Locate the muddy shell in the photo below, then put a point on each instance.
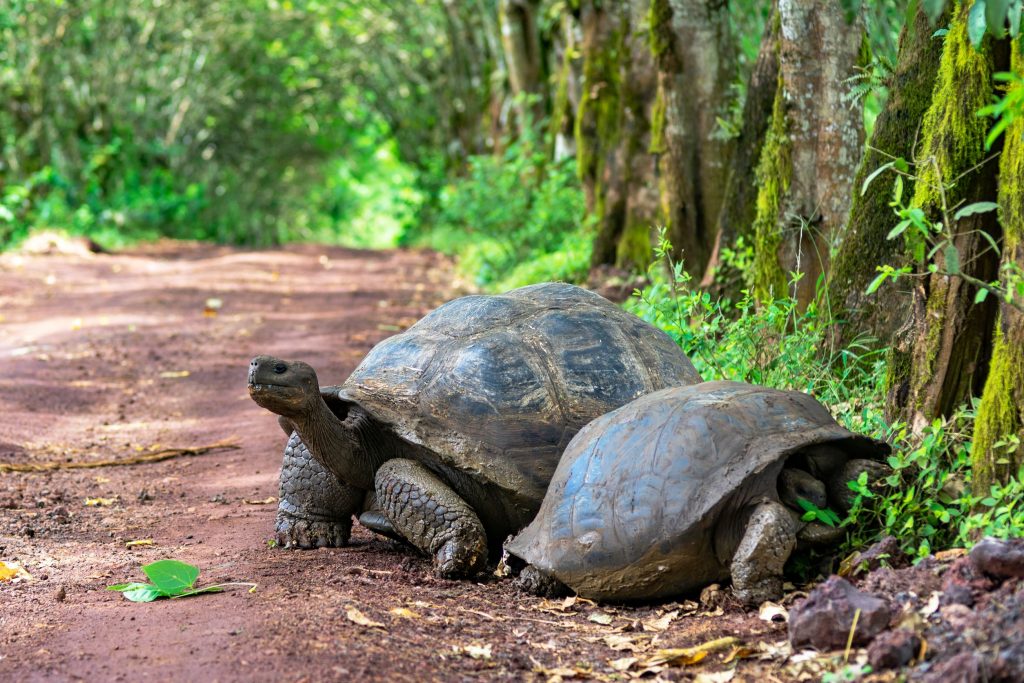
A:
(497, 386)
(648, 501)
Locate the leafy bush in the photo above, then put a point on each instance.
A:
(513, 219)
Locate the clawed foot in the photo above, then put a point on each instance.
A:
(535, 582)
(307, 533)
(460, 558)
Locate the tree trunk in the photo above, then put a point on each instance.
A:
(810, 156)
(864, 246)
(520, 39)
(952, 335)
(693, 45)
(565, 99)
(739, 206)
(613, 132)
(1001, 413)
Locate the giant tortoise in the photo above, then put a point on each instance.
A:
(458, 423)
(688, 486)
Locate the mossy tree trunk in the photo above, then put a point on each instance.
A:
(864, 245)
(522, 47)
(739, 204)
(613, 130)
(695, 53)
(564, 65)
(812, 149)
(951, 337)
(1001, 413)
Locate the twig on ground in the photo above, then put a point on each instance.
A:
(157, 456)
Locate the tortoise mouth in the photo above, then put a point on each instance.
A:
(265, 390)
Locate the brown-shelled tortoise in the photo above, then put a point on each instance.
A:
(689, 486)
(456, 425)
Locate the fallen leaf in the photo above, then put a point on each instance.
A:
(600, 618)
(357, 617)
(475, 651)
(662, 622)
(686, 656)
(619, 642)
(773, 612)
(12, 570)
(100, 502)
(174, 374)
(715, 677)
(211, 307)
(389, 328)
(622, 664)
(933, 604)
(404, 613)
(265, 501)
(738, 652)
(141, 541)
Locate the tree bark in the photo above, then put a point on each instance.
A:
(739, 206)
(613, 132)
(520, 39)
(952, 336)
(864, 246)
(810, 157)
(695, 53)
(1001, 413)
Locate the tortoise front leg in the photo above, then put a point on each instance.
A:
(315, 509)
(768, 541)
(433, 517)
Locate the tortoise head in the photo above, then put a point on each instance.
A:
(282, 387)
(796, 484)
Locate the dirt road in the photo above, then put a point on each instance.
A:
(115, 356)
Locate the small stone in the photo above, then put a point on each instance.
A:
(893, 649)
(885, 553)
(823, 620)
(28, 531)
(1002, 559)
(961, 668)
(958, 594)
(60, 594)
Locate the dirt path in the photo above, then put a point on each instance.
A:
(110, 356)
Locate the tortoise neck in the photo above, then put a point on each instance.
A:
(351, 449)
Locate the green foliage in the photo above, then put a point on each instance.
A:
(170, 579)
(813, 513)
(514, 219)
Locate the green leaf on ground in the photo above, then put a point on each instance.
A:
(171, 579)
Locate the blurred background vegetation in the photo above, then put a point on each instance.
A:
(831, 191)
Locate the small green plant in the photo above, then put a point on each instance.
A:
(170, 579)
(813, 513)
(848, 672)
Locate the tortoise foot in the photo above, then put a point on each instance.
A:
(293, 531)
(533, 581)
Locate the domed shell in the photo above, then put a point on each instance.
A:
(634, 506)
(498, 385)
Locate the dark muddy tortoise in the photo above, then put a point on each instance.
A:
(688, 486)
(457, 424)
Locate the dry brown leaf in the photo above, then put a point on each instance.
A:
(404, 613)
(357, 617)
(715, 676)
(623, 664)
(100, 502)
(738, 652)
(602, 618)
(474, 651)
(141, 541)
(773, 612)
(620, 642)
(662, 622)
(174, 374)
(265, 501)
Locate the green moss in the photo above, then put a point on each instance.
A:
(1001, 412)
(560, 110)
(954, 136)
(659, 18)
(634, 247)
(773, 173)
(657, 145)
(599, 118)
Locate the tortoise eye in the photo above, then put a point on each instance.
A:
(280, 368)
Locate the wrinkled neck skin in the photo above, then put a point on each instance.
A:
(351, 449)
